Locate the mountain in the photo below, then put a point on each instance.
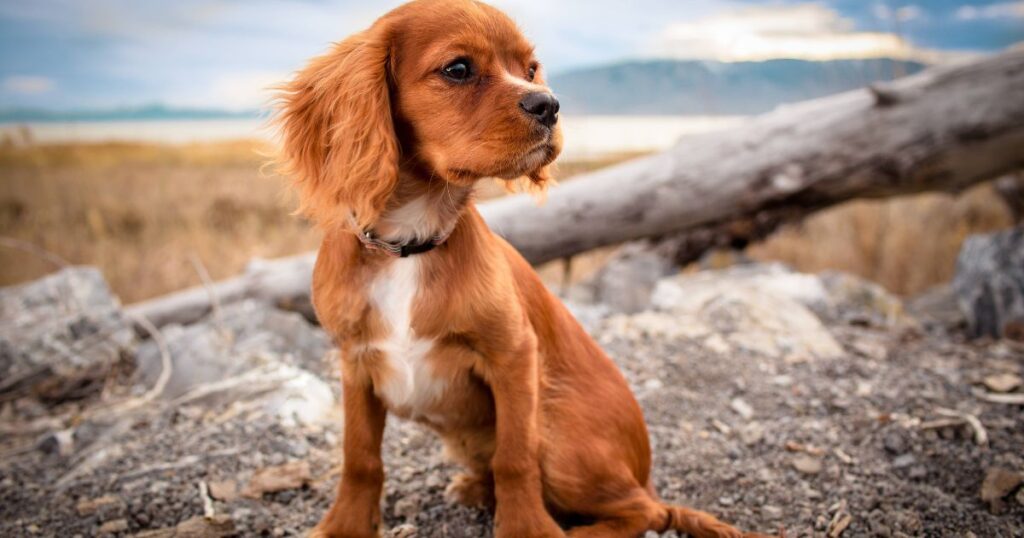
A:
(685, 87)
(143, 113)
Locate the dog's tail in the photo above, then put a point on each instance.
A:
(700, 524)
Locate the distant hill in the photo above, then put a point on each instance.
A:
(660, 87)
(143, 113)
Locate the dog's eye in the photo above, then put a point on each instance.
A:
(459, 70)
(531, 73)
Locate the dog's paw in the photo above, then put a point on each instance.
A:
(470, 490)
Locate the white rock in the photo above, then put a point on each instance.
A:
(755, 314)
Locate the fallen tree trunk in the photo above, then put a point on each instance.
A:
(284, 283)
(943, 129)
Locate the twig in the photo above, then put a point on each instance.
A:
(980, 435)
(166, 369)
(1010, 399)
(942, 423)
(839, 523)
(204, 277)
(204, 494)
(35, 250)
(843, 456)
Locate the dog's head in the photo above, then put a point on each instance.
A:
(445, 89)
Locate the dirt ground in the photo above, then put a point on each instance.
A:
(846, 445)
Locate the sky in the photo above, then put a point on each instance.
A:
(96, 54)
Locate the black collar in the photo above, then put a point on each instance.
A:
(401, 250)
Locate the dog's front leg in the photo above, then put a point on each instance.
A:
(356, 510)
(520, 508)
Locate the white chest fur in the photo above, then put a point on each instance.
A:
(409, 383)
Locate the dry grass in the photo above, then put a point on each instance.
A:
(907, 244)
(141, 212)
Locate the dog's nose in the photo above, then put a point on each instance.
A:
(542, 106)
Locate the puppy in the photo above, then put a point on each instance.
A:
(439, 320)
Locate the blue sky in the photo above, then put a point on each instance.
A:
(68, 54)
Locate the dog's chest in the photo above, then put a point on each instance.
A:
(407, 381)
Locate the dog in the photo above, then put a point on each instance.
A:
(438, 319)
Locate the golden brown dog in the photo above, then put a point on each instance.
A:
(385, 136)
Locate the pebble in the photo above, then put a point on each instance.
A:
(223, 490)
(742, 408)
(105, 508)
(407, 507)
(894, 443)
(999, 483)
(752, 433)
(771, 512)
(905, 460)
(114, 526)
(807, 464)
(653, 384)
(1004, 382)
(405, 530)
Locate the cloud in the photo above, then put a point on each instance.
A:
(994, 11)
(27, 84)
(802, 31)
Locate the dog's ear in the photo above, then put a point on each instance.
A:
(338, 139)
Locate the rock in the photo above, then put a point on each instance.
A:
(938, 307)
(808, 465)
(870, 348)
(223, 490)
(252, 353)
(747, 316)
(894, 442)
(742, 408)
(101, 506)
(60, 442)
(292, 475)
(217, 526)
(906, 460)
(853, 298)
(771, 512)
(624, 284)
(60, 335)
(405, 530)
(989, 281)
(1004, 382)
(751, 434)
(408, 507)
(114, 526)
(999, 483)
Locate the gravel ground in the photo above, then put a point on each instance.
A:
(814, 445)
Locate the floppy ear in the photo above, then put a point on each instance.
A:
(338, 138)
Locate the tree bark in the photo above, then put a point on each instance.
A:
(943, 129)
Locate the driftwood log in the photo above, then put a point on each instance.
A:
(943, 129)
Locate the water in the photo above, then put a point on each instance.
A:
(586, 137)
